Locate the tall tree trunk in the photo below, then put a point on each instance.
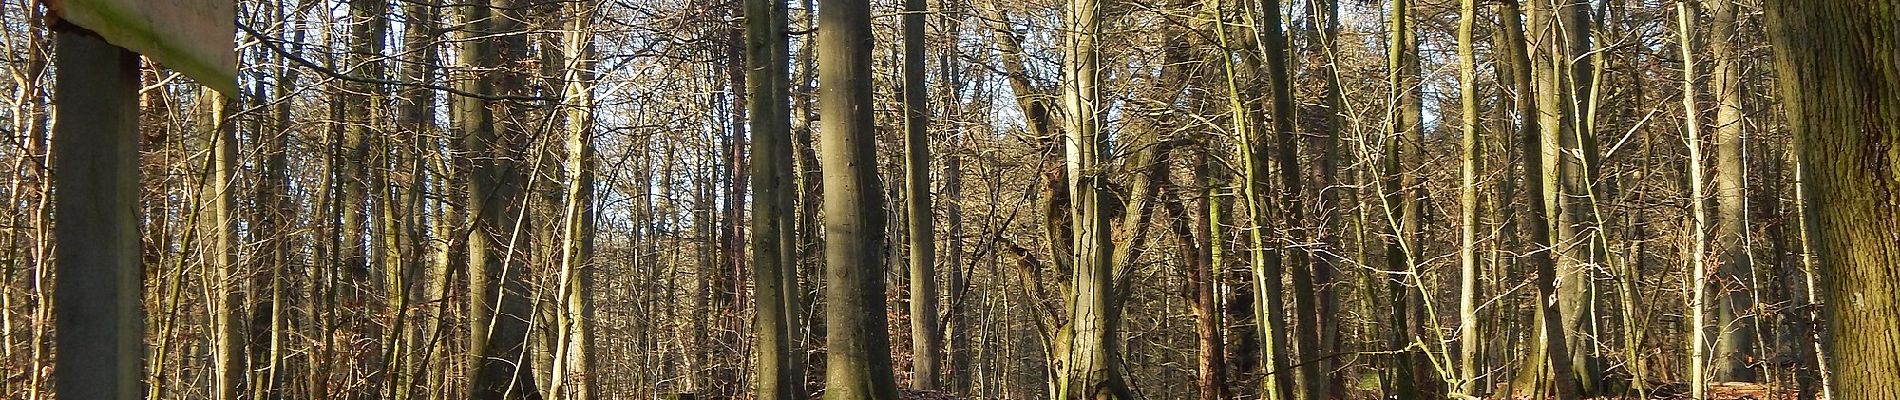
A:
(498, 307)
(1194, 236)
(368, 24)
(1572, 154)
(926, 342)
(732, 265)
(1400, 203)
(218, 217)
(858, 364)
(780, 375)
(1265, 275)
(274, 228)
(359, 103)
(1839, 68)
(1698, 203)
(958, 327)
(1537, 222)
(575, 355)
(1332, 203)
(1473, 156)
(418, 116)
(1308, 378)
(1735, 344)
(1087, 348)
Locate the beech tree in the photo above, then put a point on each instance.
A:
(1203, 199)
(857, 343)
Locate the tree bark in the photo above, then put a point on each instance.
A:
(1839, 68)
(1735, 343)
(1471, 160)
(926, 339)
(498, 307)
(1087, 349)
(575, 355)
(779, 373)
(858, 364)
(1699, 241)
(1401, 206)
(1309, 381)
(1536, 221)
(1332, 203)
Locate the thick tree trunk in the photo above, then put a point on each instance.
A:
(779, 373)
(858, 364)
(1573, 153)
(1087, 348)
(1839, 68)
(498, 307)
(1735, 343)
(1537, 222)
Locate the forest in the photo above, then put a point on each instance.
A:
(945, 199)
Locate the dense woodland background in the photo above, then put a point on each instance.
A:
(1169, 199)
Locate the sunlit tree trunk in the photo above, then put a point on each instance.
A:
(575, 357)
(1537, 225)
(498, 307)
(1471, 162)
(1699, 241)
(1572, 154)
(858, 364)
(1735, 343)
(1264, 276)
(1839, 68)
(926, 342)
(1087, 346)
(218, 217)
(779, 373)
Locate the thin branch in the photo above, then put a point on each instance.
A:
(276, 46)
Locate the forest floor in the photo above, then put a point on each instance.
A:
(1717, 391)
(907, 394)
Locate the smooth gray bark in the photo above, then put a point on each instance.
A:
(858, 364)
